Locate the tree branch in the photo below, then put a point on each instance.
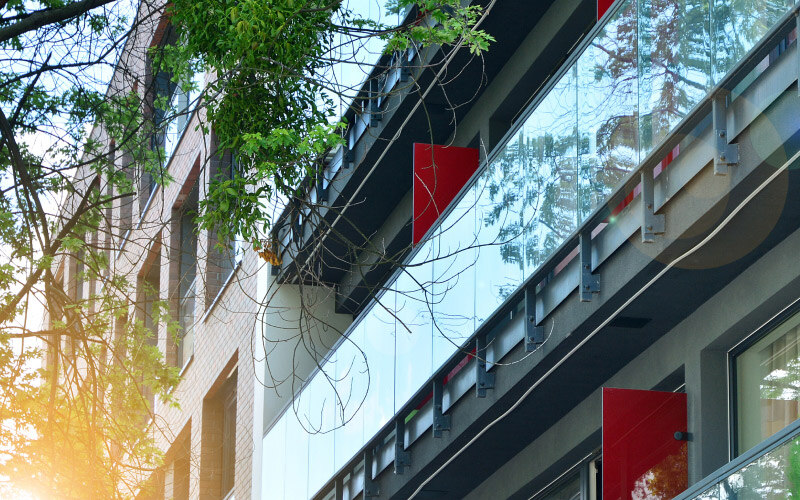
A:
(49, 16)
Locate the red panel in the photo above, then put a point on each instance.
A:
(602, 7)
(641, 457)
(439, 174)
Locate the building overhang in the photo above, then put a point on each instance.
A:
(374, 185)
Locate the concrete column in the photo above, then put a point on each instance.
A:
(707, 391)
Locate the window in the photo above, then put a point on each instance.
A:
(768, 384)
(54, 316)
(187, 272)
(228, 459)
(177, 468)
(224, 257)
(218, 439)
(148, 293)
(233, 170)
(80, 273)
(173, 106)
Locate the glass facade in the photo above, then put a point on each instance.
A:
(648, 65)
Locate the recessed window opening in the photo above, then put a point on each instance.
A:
(173, 106)
(187, 273)
(767, 384)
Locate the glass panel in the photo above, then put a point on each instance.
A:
(297, 463)
(273, 460)
(352, 380)
(768, 385)
(674, 64)
(772, 476)
(737, 25)
(414, 342)
(454, 280)
(607, 114)
(548, 151)
(710, 494)
(319, 421)
(379, 351)
(498, 232)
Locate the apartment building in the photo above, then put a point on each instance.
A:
(593, 290)
(570, 272)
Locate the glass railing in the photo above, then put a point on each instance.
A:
(648, 64)
(769, 472)
(186, 322)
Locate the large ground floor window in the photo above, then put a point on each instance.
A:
(767, 384)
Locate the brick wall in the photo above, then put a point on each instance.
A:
(224, 317)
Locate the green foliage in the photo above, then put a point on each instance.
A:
(275, 54)
(449, 22)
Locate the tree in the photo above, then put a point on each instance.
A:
(78, 425)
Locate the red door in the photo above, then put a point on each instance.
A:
(642, 457)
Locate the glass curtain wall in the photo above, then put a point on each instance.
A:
(648, 65)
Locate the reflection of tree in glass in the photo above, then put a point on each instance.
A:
(549, 202)
(504, 189)
(675, 63)
(607, 109)
(772, 476)
(740, 24)
(782, 383)
(666, 480)
(642, 73)
(793, 471)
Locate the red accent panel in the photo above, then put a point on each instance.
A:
(439, 174)
(602, 7)
(641, 457)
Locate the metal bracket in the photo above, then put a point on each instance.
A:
(534, 335)
(338, 489)
(347, 157)
(370, 488)
(483, 379)
(726, 154)
(322, 191)
(441, 422)
(590, 283)
(652, 224)
(405, 66)
(402, 458)
(374, 104)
